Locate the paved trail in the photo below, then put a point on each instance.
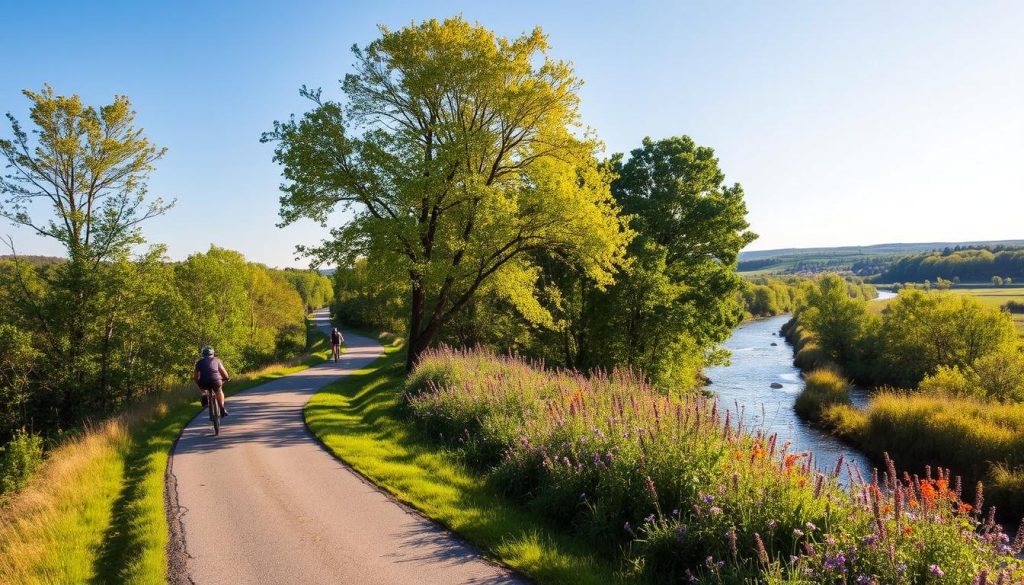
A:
(265, 503)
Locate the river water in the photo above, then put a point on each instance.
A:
(746, 382)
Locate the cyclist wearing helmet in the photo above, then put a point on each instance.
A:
(210, 375)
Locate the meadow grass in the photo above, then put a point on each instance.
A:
(683, 492)
(360, 419)
(94, 511)
(997, 297)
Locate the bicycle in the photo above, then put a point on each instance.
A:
(211, 403)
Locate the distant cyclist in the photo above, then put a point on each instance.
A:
(336, 340)
(210, 376)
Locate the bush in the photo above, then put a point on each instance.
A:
(676, 483)
(1014, 306)
(822, 388)
(20, 457)
(845, 420)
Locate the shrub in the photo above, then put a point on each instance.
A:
(1014, 306)
(822, 388)
(811, 356)
(679, 486)
(20, 457)
(845, 420)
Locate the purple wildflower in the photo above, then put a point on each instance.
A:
(935, 570)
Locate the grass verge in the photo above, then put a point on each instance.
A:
(359, 419)
(94, 513)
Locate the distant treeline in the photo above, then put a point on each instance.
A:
(82, 344)
(966, 265)
(769, 296)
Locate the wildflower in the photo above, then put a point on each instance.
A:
(830, 541)
(681, 532)
(935, 570)
(649, 519)
(731, 536)
(810, 527)
(869, 540)
(675, 512)
(901, 568)
(797, 532)
(864, 580)
(907, 531)
(650, 488)
(715, 510)
(835, 562)
(708, 499)
(762, 553)
(772, 524)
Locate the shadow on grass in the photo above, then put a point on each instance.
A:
(361, 420)
(135, 541)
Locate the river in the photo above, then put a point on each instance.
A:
(746, 382)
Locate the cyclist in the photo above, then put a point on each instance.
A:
(336, 340)
(210, 375)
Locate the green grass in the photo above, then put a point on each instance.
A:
(359, 418)
(997, 297)
(95, 511)
(990, 296)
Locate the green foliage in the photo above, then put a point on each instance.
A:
(461, 154)
(676, 299)
(315, 289)
(839, 322)
(669, 485)
(920, 332)
(18, 459)
(766, 297)
(365, 297)
(823, 388)
(95, 511)
(971, 264)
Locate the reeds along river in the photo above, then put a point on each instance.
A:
(745, 385)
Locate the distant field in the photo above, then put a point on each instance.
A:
(989, 295)
(997, 297)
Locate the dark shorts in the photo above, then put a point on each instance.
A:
(210, 386)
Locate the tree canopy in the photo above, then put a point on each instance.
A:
(461, 154)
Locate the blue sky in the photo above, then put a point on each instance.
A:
(846, 123)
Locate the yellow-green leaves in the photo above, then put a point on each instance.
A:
(462, 155)
(89, 166)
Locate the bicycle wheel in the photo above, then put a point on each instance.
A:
(215, 414)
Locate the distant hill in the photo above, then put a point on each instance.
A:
(861, 260)
(871, 250)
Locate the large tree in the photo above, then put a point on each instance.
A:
(79, 177)
(461, 154)
(677, 299)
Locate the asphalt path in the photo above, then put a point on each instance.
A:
(264, 502)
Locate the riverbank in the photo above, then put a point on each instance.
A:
(678, 488)
(745, 387)
(980, 439)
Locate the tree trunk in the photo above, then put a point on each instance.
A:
(415, 348)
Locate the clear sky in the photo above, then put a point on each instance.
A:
(846, 122)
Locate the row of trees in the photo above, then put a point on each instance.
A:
(83, 336)
(768, 296)
(968, 265)
(484, 215)
(920, 338)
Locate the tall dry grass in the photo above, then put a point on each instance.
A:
(94, 510)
